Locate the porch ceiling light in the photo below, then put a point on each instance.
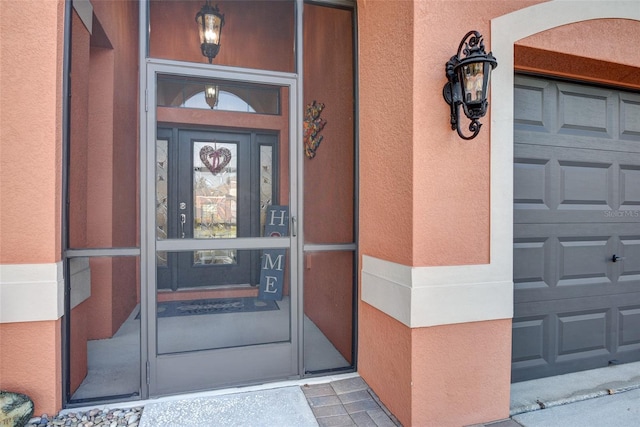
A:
(469, 82)
(211, 93)
(210, 22)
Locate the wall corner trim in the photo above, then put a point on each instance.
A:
(433, 296)
(31, 292)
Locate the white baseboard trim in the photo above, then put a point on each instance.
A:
(433, 296)
(31, 292)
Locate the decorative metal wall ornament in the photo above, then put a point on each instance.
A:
(210, 22)
(220, 158)
(313, 124)
(469, 82)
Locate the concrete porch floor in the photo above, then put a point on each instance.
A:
(340, 400)
(343, 402)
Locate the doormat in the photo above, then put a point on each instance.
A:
(213, 306)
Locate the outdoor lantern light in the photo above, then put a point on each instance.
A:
(210, 22)
(469, 82)
(211, 95)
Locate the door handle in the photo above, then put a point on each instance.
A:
(615, 258)
(294, 226)
(183, 220)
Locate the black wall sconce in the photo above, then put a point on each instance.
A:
(210, 22)
(469, 83)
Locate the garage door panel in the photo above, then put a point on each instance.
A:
(530, 348)
(630, 264)
(583, 334)
(529, 105)
(586, 110)
(531, 267)
(630, 116)
(553, 337)
(529, 98)
(586, 185)
(530, 179)
(583, 261)
(630, 189)
(629, 328)
(534, 172)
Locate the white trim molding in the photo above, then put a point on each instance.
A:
(31, 292)
(431, 296)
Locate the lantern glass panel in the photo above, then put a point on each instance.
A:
(473, 81)
(200, 28)
(487, 78)
(211, 29)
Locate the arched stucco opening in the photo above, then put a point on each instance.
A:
(505, 32)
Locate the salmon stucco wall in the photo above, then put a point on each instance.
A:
(30, 192)
(426, 197)
(79, 134)
(31, 150)
(449, 375)
(460, 373)
(386, 205)
(386, 130)
(451, 176)
(30, 362)
(425, 202)
(384, 360)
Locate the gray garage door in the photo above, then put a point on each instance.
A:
(576, 205)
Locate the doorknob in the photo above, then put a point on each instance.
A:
(183, 220)
(615, 258)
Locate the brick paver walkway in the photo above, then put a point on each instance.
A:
(347, 402)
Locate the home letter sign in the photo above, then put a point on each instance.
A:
(273, 260)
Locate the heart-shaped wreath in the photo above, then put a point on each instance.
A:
(220, 158)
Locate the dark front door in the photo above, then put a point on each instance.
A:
(215, 190)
